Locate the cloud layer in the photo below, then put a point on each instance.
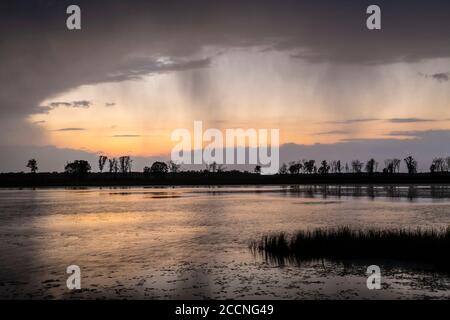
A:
(125, 40)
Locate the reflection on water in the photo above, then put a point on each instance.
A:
(170, 242)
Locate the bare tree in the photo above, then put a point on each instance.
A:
(214, 167)
(371, 166)
(392, 166)
(211, 167)
(125, 164)
(388, 166)
(411, 165)
(433, 168)
(113, 165)
(101, 162)
(32, 165)
(438, 164)
(357, 166)
(447, 163)
(396, 163)
(336, 166)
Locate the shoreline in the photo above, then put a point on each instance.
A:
(138, 179)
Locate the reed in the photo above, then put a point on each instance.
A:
(428, 245)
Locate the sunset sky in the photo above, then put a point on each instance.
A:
(140, 69)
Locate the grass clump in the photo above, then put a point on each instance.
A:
(428, 245)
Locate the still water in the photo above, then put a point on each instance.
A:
(192, 242)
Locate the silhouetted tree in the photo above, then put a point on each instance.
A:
(210, 167)
(283, 169)
(438, 165)
(113, 165)
(257, 169)
(391, 166)
(371, 166)
(214, 167)
(397, 163)
(32, 164)
(159, 167)
(346, 168)
(357, 166)
(447, 163)
(101, 162)
(433, 168)
(125, 164)
(310, 166)
(388, 166)
(303, 163)
(411, 165)
(173, 167)
(78, 167)
(294, 167)
(336, 166)
(324, 167)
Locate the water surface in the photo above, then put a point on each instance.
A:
(166, 243)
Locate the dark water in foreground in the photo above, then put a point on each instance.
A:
(172, 243)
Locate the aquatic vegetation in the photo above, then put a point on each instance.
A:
(421, 245)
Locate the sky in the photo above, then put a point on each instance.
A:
(137, 70)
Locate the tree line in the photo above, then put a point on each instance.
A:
(391, 166)
(123, 165)
(114, 165)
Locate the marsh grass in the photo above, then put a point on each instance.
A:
(344, 243)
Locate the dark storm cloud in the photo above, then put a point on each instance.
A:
(134, 70)
(59, 104)
(122, 40)
(84, 104)
(81, 104)
(442, 77)
(73, 104)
